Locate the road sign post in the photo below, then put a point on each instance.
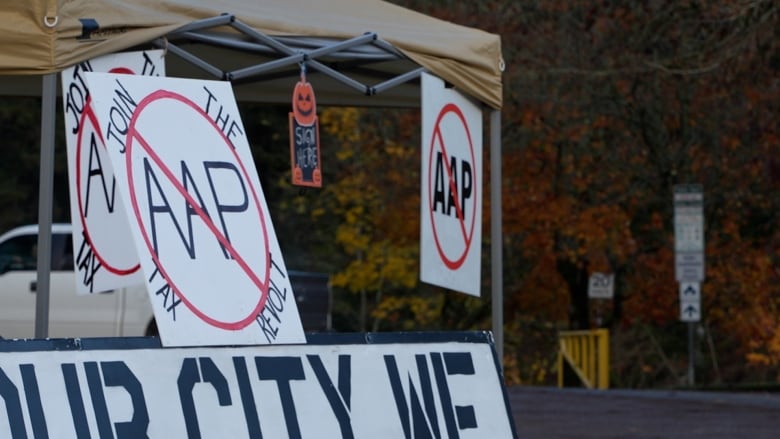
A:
(689, 258)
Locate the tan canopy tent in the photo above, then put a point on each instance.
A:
(356, 52)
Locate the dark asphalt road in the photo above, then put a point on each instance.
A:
(550, 413)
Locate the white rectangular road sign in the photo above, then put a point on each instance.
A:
(690, 301)
(689, 233)
(450, 189)
(689, 267)
(690, 311)
(103, 250)
(690, 291)
(688, 218)
(208, 250)
(601, 286)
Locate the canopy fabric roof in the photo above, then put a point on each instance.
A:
(46, 36)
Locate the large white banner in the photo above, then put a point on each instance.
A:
(103, 251)
(199, 220)
(417, 390)
(450, 189)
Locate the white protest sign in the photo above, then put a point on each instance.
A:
(423, 389)
(451, 189)
(103, 251)
(201, 225)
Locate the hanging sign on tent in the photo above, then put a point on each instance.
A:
(451, 198)
(104, 255)
(209, 253)
(305, 136)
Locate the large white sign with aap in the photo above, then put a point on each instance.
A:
(199, 220)
(451, 189)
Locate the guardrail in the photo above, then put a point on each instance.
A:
(587, 353)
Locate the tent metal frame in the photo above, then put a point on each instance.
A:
(286, 52)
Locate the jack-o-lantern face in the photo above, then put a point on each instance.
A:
(304, 105)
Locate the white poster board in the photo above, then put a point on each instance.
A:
(104, 256)
(199, 220)
(451, 189)
(447, 389)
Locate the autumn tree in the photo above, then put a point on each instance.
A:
(607, 106)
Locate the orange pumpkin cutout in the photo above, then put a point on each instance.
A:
(317, 178)
(304, 105)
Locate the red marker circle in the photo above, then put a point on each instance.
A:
(455, 262)
(112, 266)
(133, 137)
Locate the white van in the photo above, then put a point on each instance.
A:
(121, 312)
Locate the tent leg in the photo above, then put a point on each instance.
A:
(48, 115)
(496, 235)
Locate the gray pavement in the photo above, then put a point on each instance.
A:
(550, 413)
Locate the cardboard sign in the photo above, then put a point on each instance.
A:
(412, 387)
(103, 251)
(305, 136)
(200, 223)
(451, 189)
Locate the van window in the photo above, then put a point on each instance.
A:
(21, 253)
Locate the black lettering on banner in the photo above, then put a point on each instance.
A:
(247, 398)
(423, 424)
(98, 399)
(418, 414)
(75, 400)
(13, 406)
(119, 115)
(339, 395)
(33, 396)
(228, 125)
(189, 375)
(170, 300)
(117, 374)
(449, 183)
(87, 262)
(77, 95)
(97, 171)
(455, 363)
(283, 370)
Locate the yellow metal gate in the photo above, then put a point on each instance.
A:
(587, 352)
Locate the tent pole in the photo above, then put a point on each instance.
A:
(48, 115)
(496, 235)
